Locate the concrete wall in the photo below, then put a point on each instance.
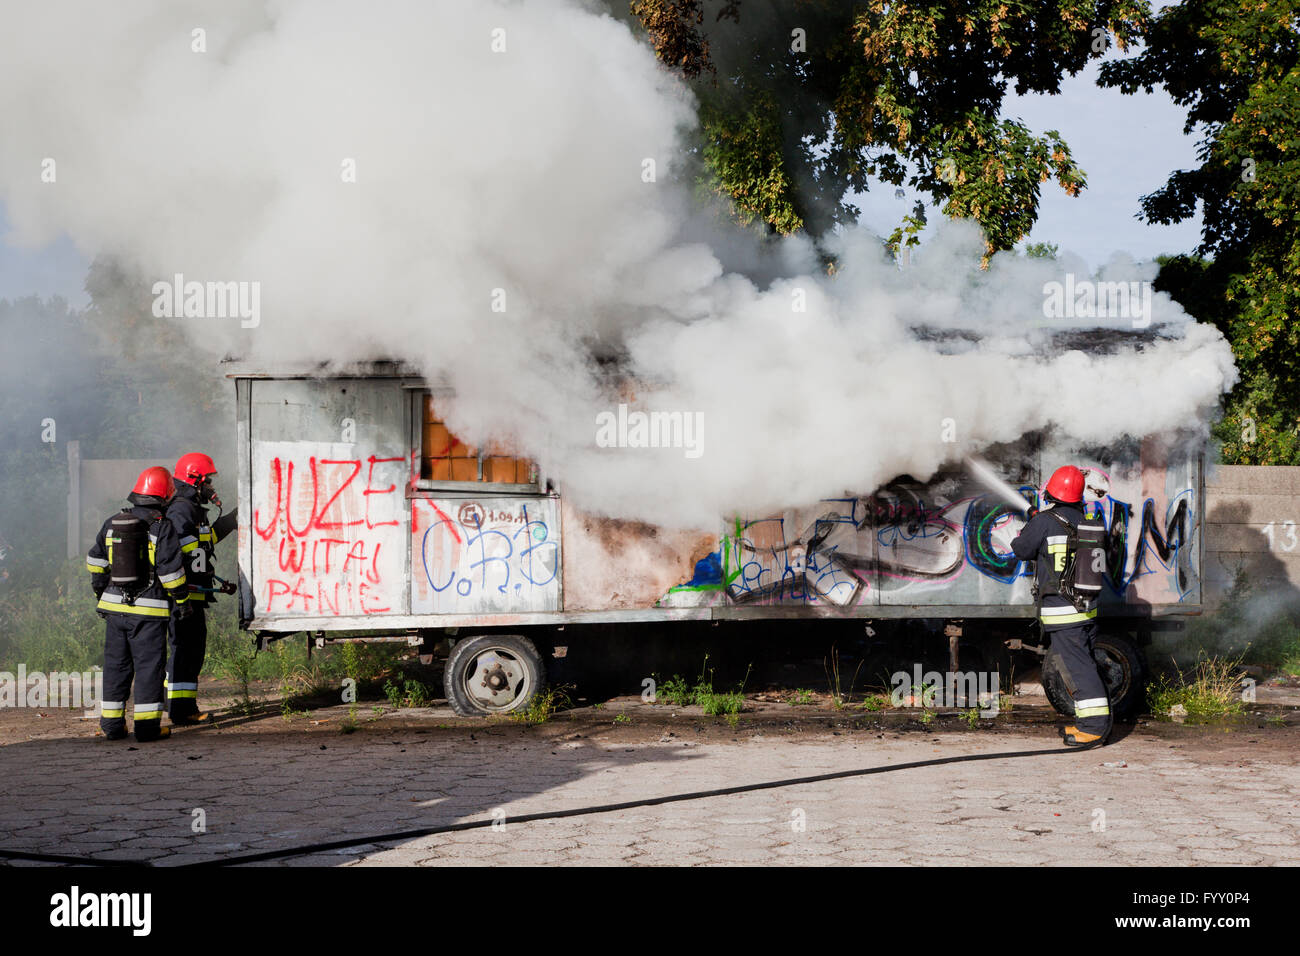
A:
(97, 488)
(1251, 524)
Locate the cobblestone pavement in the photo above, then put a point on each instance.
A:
(1198, 797)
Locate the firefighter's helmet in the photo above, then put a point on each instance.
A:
(155, 483)
(194, 467)
(1066, 485)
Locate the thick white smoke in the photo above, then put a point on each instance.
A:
(524, 170)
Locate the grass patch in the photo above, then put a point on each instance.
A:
(678, 692)
(1211, 691)
(52, 628)
(716, 705)
(408, 693)
(544, 705)
(802, 697)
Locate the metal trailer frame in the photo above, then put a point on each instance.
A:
(925, 553)
(385, 626)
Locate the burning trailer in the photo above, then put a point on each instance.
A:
(362, 517)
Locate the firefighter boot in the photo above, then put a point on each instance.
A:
(188, 720)
(1074, 737)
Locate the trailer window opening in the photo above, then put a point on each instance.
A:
(445, 458)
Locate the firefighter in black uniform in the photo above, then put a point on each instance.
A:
(1068, 580)
(189, 634)
(138, 575)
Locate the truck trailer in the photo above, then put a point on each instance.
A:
(363, 518)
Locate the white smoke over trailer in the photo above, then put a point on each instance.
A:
(487, 190)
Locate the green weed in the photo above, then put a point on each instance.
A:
(410, 693)
(544, 705)
(1211, 691)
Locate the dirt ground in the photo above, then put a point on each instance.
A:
(264, 782)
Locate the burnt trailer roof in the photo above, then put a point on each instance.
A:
(368, 368)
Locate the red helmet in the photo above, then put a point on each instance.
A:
(194, 467)
(1066, 484)
(155, 482)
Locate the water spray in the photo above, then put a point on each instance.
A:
(989, 478)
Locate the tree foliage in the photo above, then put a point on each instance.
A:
(114, 378)
(1235, 66)
(804, 102)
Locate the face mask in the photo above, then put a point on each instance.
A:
(207, 493)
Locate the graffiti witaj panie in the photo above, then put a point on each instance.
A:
(328, 530)
(947, 542)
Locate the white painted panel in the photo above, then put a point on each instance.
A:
(485, 555)
(328, 530)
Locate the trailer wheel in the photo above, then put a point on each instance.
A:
(1121, 667)
(492, 674)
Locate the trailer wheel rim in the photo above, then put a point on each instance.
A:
(495, 680)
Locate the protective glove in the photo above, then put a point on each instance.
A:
(1031, 512)
(184, 610)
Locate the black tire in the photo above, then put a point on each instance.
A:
(492, 674)
(1121, 667)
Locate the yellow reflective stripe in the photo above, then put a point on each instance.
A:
(172, 585)
(189, 547)
(153, 551)
(165, 578)
(149, 714)
(179, 694)
(119, 608)
(112, 712)
(94, 570)
(1069, 618)
(1092, 711)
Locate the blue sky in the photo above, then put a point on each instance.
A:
(1127, 145)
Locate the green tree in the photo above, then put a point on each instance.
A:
(1235, 66)
(114, 378)
(803, 103)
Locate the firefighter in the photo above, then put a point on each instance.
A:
(1068, 552)
(138, 575)
(189, 634)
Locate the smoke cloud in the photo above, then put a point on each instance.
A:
(495, 193)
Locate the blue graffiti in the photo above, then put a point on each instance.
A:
(535, 558)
